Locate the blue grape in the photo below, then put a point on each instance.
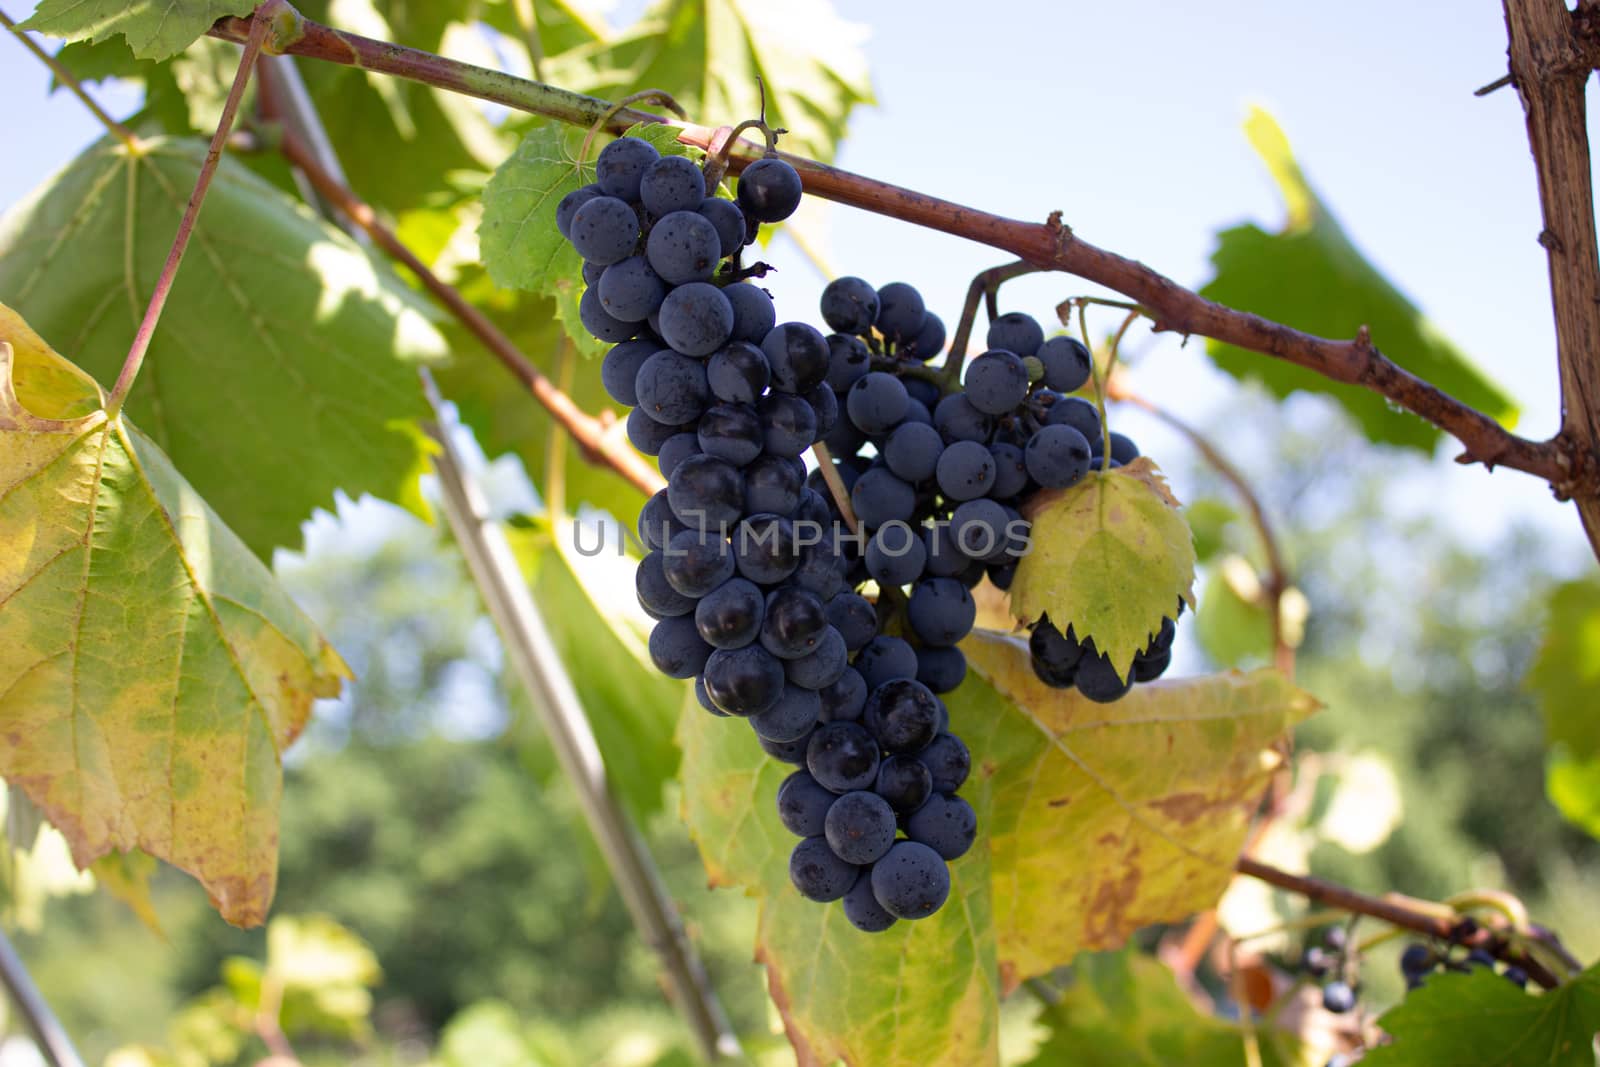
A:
(789, 424)
(656, 595)
(764, 548)
(706, 493)
(791, 718)
(817, 873)
(683, 247)
(657, 523)
(904, 781)
(731, 432)
(621, 165)
(621, 366)
(798, 355)
(1057, 456)
(1066, 363)
(569, 207)
(879, 497)
(743, 681)
(863, 909)
(825, 404)
(772, 484)
(604, 230)
(676, 449)
(785, 751)
(841, 756)
(876, 402)
(911, 881)
(671, 388)
(822, 666)
(928, 342)
(822, 570)
(738, 373)
(1015, 332)
(1076, 412)
(860, 827)
(941, 669)
(900, 311)
(697, 561)
(895, 555)
(948, 761)
(600, 322)
(730, 615)
(648, 435)
(849, 305)
(945, 558)
(941, 611)
(978, 528)
(753, 313)
(844, 698)
(848, 359)
(912, 451)
(696, 319)
(957, 420)
(677, 649)
(1123, 450)
(729, 222)
(630, 291)
(1098, 680)
(1010, 471)
(903, 715)
(795, 622)
(769, 190)
(997, 382)
(672, 183)
(803, 804)
(884, 659)
(966, 471)
(854, 617)
(946, 824)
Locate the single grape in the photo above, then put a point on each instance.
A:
(1060, 653)
(822, 569)
(621, 366)
(621, 166)
(631, 291)
(788, 422)
(1123, 450)
(900, 311)
(676, 449)
(885, 659)
(1015, 332)
(903, 714)
(731, 432)
(600, 322)
(948, 761)
(860, 827)
(818, 873)
(928, 340)
(965, 471)
(876, 402)
(753, 312)
(848, 359)
(730, 615)
(677, 649)
(729, 222)
(1149, 668)
(849, 305)
(1097, 679)
(843, 700)
(764, 548)
(569, 207)
(1076, 412)
(672, 388)
(743, 681)
(1417, 959)
(946, 824)
(656, 595)
(1057, 456)
(1338, 997)
(696, 562)
(696, 319)
(945, 558)
(785, 751)
(791, 718)
(704, 698)
(904, 781)
(604, 230)
(941, 669)
(803, 804)
(957, 420)
(706, 493)
(863, 909)
(592, 273)
(1066, 362)
(737, 374)
(769, 190)
(913, 451)
(841, 756)
(822, 666)
(978, 528)
(911, 881)
(879, 497)
(895, 555)
(798, 355)
(772, 484)
(672, 183)
(941, 611)
(794, 624)
(1010, 471)
(825, 404)
(854, 617)
(683, 247)
(657, 523)
(996, 382)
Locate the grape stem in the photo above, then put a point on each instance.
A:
(660, 96)
(984, 288)
(589, 432)
(66, 78)
(1423, 917)
(261, 24)
(1568, 461)
(1277, 578)
(841, 495)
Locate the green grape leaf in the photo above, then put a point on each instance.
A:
(155, 29)
(518, 237)
(1125, 1009)
(1479, 1019)
(1158, 787)
(1573, 786)
(1566, 672)
(284, 365)
(710, 54)
(1111, 556)
(1312, 277)
(1209, 520)
(585, 602)
(151, 668)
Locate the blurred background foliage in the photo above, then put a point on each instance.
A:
(440, 900)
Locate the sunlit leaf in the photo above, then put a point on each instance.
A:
(1111, 556)
(155, 29)
(1311, 277)
(1566, 674)
(151, 669)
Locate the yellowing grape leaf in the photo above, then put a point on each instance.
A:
(1479, 1019)
(1109, 817)
(1112, 556)
(1093, 820)
(155, 29)
(151, 669)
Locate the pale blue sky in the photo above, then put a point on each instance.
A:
(1127, 117)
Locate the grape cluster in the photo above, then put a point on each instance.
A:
(1418, 961)
(748, 572)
